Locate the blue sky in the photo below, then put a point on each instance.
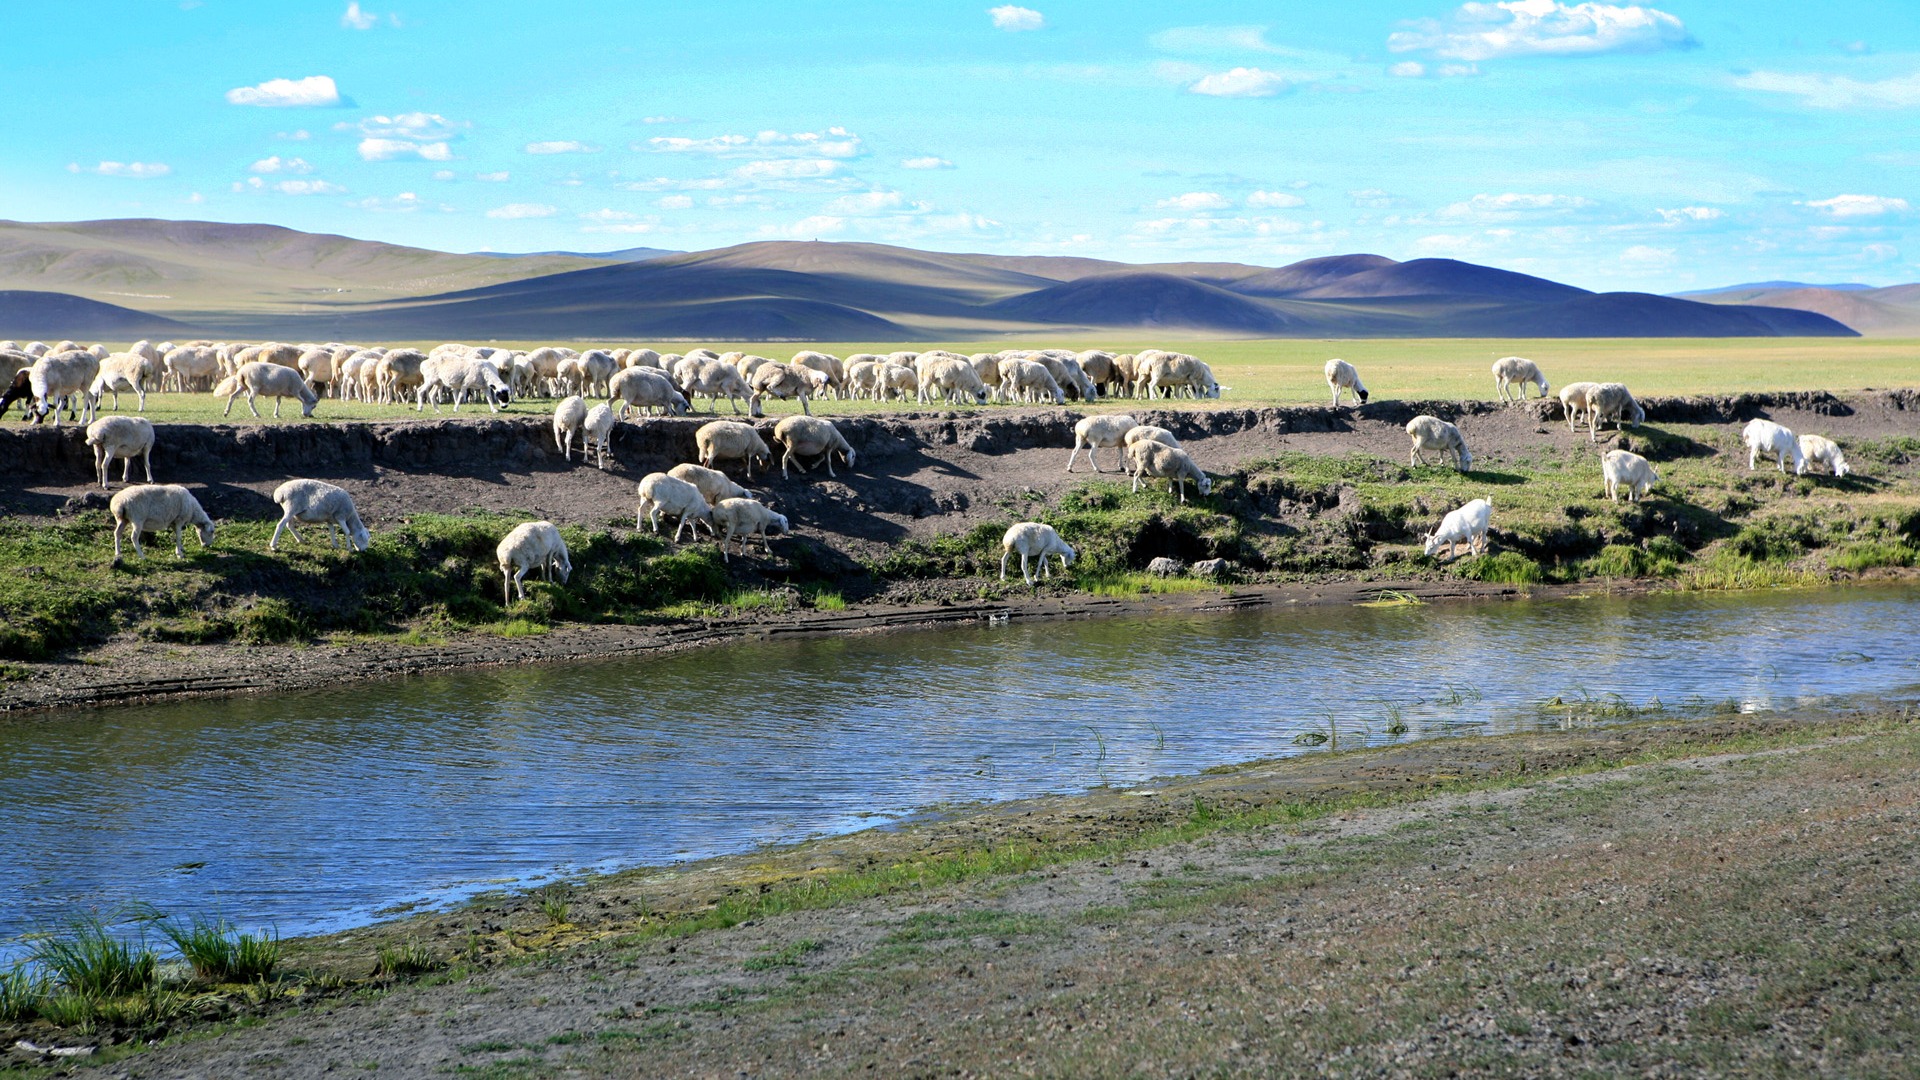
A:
(1681, 145)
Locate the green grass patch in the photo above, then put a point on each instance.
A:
(1870, 554)
(220, 953)
(791, 955)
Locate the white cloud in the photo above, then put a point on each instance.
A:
(1377, 199)
(196, 198)
(1851, 206)
(1837, 91)
(356, 19)
(622, 227)
(294, 136)
(1243, 82)
(1010, 17)
(1483, 31)
(276, 163)
(1645, 257)
(607, 214)
(1683, 215)
(135, 170)
(800, 169)
(1274, 200)
(493, 177)
(1196, 200)
(390, 149)
(866, 202)
(290, 187)
(674, 202)
(1408, 69)
(834, 142)
(414, 126)
(1213, 39)
(444, 175)
(926, 163)
(314, 91)
(519, 210)
(1161, 228)
(1511, 205)
(561, 146)
(661, 183)
(664, 120)
(404, 203)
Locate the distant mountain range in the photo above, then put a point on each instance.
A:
(261, 281)
(1893, 311)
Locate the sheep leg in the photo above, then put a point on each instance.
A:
(766, 542)
(179, 541)
(286, 522)
(250, 407)
(1024, 572)
(146, 458)
(803, 405)
(1004, 556)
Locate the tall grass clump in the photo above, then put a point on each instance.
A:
(1505, 567)
(21, 989)
(87, 961)
(218, 952)
(404, 958)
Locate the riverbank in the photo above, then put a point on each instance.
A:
(1681, 896)
(1310, 505)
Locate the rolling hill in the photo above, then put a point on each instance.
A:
(28, 313)
(1893, 311)
(265, 281)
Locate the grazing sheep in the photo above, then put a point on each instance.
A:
(599, 366)
(1623, 467)
(646, 388)
(1767, 437)
(895, 381)
(1157, 371)
(534, 543)
(1098, 367)
(1029, 380)
(21, 389)
(1067, 372)
(1430, 434)
(59, 379)
(1095, 432)
(863, 379)
(570, 419)
(1034, 540)
(1344, 376)
(745, 519)
(1515, 372)
(1467, 524)
(661, 493)
(1575, 400)
(318, 502)
(712, 483)
(1149, 433)
(810, 436)
(597, 433)
(641, 358)
(464, 375)
(398, 372)
(827, 364)
(122, 371)
(543, 368)
(317, 365)
(190, 368)
(1158, 460)
(155, 508)
(1126, 368)
(783, 381)
(1820, 450)
(714, 380)
(12, 362)
(1612, 401)
(125, 437)
(260, 377)
(954, 380)
(987, 367)
(724, 440)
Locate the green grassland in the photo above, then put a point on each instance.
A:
(1288, 372)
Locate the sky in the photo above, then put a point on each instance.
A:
(1656, 148)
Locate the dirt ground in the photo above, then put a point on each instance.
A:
(917, 475)
(1742, 903)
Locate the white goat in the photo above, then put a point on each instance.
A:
(1628, 469)
(1820, 450)
(1767, 437)
(1468, 524)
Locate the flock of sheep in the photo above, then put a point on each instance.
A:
(694, 494)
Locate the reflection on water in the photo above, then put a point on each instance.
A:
(316, 810)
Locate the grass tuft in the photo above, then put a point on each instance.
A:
(219, 953)
(404, 958)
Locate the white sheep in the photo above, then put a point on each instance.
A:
(1158, 460)
(529, 545)
(645, 388)
(318, 502)
(123, 371)
(1066, 371)
(724, 440)
(1820, 450)
(783, 381)
(1612, 401)
(190, 368)
(745, 519)
(661, 493)
(1095, 432)
(59, 378)
(1344, 376)
(570, 420)
(1468, 524)
(1029, 380)
(827, 364)
(1430, 434)
(155, 508)
(1767, 437)
(715, 380)
(124, 437)
(259, 377)
(1623, 467)
(1149, 433)
(1576, 399)
(461, 376)
(1173, 372)
(596, 433)
(1513, 373)
(810, 436)
(713, 484)
(1034, 540)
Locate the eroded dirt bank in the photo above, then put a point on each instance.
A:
(1742, 901)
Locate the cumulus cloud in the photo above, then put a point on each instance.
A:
(290, 187)
(1837, 91)
(926, 163)
(493, 177)
(834, 142)
(1196, 200)
(1243, 82)
(1172, 227)
(789, 169)
(1482, 31)
(135, 170)
(1408, 69)
(561, 146)
(276, 163)
(312, 92)
(1012, 18)
(1377, 199)
(416, 126)
(392, 149)
(1686, 214)
(520, 210)
(356, 19)
(445, 174)
(1647, 257)
(1853, 206)
(1274, 200)
(664, 120)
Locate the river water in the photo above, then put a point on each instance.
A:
(315, 811)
